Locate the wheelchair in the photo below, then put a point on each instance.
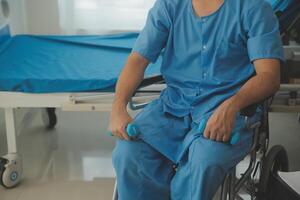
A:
(256, 180)
(260, 164)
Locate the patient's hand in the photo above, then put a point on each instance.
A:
(220, 125)
(119, 119)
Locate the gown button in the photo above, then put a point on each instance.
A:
(175, 168)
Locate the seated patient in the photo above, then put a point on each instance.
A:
(219, 56)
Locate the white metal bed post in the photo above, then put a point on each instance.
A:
(10, 130)
(11, 169)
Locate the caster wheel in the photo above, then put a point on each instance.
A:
(49, 118)
(10, 170)
(276, 160)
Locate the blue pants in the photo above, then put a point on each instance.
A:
(145, 167)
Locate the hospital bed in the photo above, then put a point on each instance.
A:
(73, 73)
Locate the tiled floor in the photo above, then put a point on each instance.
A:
(73, 161)
(60, 190)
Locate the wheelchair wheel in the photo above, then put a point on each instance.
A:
(276, 160)
(49, 118)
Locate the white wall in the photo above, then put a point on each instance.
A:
(33, 16)
(2, 19)
(42, 16)
(16, 19)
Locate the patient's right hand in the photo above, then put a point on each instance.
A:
(119, 119)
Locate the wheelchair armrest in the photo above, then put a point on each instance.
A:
(250, 110)
(145, 83)
(151, 80)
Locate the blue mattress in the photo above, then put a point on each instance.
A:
(47, 64)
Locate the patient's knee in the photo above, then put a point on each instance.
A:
(206, 156)
(126, 155)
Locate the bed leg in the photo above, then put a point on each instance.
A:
(10, 164)
(10, 130)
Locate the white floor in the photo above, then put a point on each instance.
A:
(73, 161)
(285, 130)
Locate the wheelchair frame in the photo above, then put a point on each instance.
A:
(231, 185)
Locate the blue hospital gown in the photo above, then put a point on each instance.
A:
(206, 60)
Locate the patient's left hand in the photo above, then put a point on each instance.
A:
(220, 125)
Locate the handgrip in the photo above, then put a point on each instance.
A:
(235, 136)
(131, 130)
